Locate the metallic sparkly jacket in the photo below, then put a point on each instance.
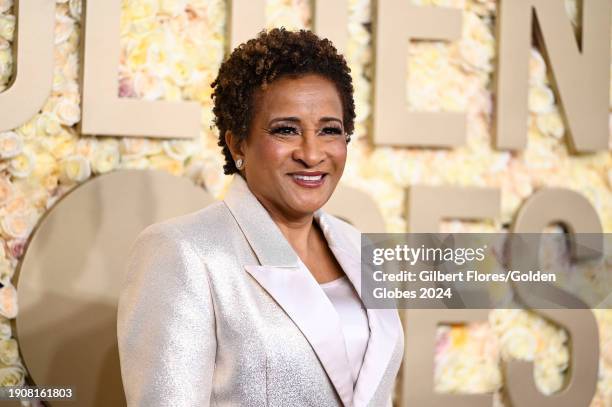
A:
(217, 311)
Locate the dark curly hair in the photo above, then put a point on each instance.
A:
(261, 60)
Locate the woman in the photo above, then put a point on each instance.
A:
(254, 301)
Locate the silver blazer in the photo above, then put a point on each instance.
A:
(216, 310)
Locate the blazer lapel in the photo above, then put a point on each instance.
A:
(298, 293)
(292, 286)
(385, 326)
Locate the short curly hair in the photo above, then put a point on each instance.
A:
(261, 60)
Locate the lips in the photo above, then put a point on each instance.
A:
(307, 179)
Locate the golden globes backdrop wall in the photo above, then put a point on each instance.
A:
(472, 115)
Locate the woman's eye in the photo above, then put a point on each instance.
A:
(284, 130)
(332, 130)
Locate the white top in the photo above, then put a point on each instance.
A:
(354, 320)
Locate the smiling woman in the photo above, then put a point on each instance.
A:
(256, 300)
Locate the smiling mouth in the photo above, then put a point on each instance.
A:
(313, 180)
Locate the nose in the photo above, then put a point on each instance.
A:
(310, 152)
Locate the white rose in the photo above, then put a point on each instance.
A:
(68, 112)
(48, 123)
(105, 160)
(541, 99)
(520, 343)
(5, 5)
(5, 328)
(179, 150)
(22, 165)
(551, 123)
(6, 271)
(64, 27)
(147, 86)
(18, 225)
(75, 7)
(11, 144)
(141, 163)
(7, 27)
(172, 7)
(12, 376)
(6, 64)
(537, 68)
(134, 147)
(9, 353)
(8, 307)
(75, 168)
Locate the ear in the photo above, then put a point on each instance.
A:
(234, 143)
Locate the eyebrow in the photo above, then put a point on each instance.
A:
(297, 119)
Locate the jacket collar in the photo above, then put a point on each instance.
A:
(294, 288)
(264, 237)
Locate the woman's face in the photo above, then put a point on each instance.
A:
(295, 152)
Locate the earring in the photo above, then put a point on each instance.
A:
(239, 163)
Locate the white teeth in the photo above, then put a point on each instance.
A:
(308, 177)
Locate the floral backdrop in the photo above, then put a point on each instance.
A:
(171, 50)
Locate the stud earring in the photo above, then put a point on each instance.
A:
(239, 163)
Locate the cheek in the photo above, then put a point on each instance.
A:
(270, 155)
(338, 154)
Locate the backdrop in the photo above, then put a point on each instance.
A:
(170, 50)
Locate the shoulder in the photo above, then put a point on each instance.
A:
(187, 226)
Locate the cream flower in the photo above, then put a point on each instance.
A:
(148, 87)
(48, 123)
(6, 190)
(75, 168)
(135, 147)
(537, 68)
(22, 165)
(5, 5)
(7, 27)
(6, 270)
(5, 328)
(12, 376)
(8, 301)
(18, 225)
(75, 7)
(161, 162)
(6, 64)
(551, 123)
(138, 163)
(9, 353)
(172, 7)
(11, 144)
(105, 159)
(541, 99)
(68, 111)
(571, 7)
(520, 343)
(179, 150)
(45, 165)
(64, 28)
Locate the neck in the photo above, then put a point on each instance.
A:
(298, 231)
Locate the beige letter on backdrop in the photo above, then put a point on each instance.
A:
(427, 206)
(33, 77)
(357, 208)
(417, 383)
(331, 21)
(248, 17)
(581, 72)
(398, 22)
(103, 112)
(573, 210)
